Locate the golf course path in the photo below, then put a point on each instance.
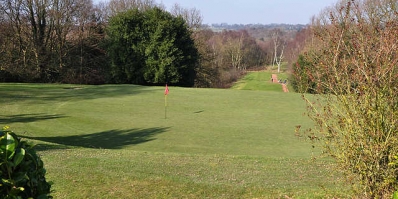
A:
(275, 80)
(284, 87)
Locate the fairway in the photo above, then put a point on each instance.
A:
(260, 81)
(113, 141)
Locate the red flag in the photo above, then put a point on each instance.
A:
(166, 90)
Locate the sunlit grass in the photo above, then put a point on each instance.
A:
(261, 81)
(113, 141)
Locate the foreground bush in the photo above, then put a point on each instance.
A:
(21, 169)
(351, 62)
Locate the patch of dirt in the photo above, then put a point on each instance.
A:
(275, 80)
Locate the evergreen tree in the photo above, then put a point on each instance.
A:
(151, 47)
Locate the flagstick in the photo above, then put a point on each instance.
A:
(165, 106)
(166, 92)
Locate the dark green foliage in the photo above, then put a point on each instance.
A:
(21, 169)
(301, 79)
(124, 48)
(151, 47)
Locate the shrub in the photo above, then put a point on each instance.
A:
(21, 169)
(353, 61)
(301, 81)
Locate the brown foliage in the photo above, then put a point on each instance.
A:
(353, 62)
(44, 40)
(225, 56)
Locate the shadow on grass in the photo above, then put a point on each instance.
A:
(43, 93)
(26, 118)
(113, 139)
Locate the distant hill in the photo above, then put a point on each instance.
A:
(258, 31)
(225, 26)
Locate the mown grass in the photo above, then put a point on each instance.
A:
(261, 81)
(113, 141)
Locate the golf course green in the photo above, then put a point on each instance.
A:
(121, 141)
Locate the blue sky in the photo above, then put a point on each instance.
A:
(253, 11)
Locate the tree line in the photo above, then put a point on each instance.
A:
(51, 41)
(120, 41)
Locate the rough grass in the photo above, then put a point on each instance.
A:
(113, 141)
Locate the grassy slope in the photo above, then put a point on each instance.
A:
(113, 141)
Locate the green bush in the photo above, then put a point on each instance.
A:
(21, 169)
(301, 80)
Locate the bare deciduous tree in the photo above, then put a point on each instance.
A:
(192, 16)
(41, 35)
(279, 44)
(117, 6)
